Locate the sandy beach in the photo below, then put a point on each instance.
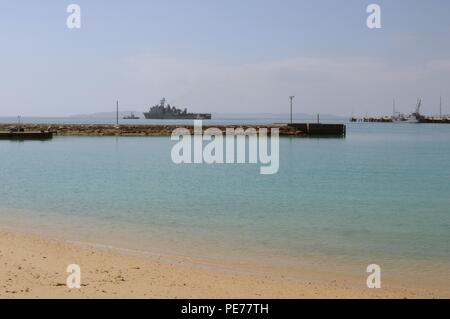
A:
(35, 267)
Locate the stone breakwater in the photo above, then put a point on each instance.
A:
(138, 130)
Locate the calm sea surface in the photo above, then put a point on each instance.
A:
(381, 194)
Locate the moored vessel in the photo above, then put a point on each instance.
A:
(132, 116)
(167, 112)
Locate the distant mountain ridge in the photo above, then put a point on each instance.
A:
(222, 115)
(104, 114)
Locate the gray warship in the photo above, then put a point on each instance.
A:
(162, 111)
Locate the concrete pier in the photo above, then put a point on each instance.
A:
(25, 135)
(319, 129)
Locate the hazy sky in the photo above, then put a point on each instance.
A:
(223, 56)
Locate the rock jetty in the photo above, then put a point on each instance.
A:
(137, 130)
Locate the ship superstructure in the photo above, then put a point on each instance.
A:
(168, 112)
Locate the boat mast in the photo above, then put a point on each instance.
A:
(440, 107)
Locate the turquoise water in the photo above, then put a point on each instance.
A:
(383, 193)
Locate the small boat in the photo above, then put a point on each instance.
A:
(415, 117)
(131, 117)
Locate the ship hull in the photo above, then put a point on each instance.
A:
(189, 116)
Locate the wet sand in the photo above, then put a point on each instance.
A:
(33, 266)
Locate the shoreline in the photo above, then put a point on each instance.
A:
(34, 266)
